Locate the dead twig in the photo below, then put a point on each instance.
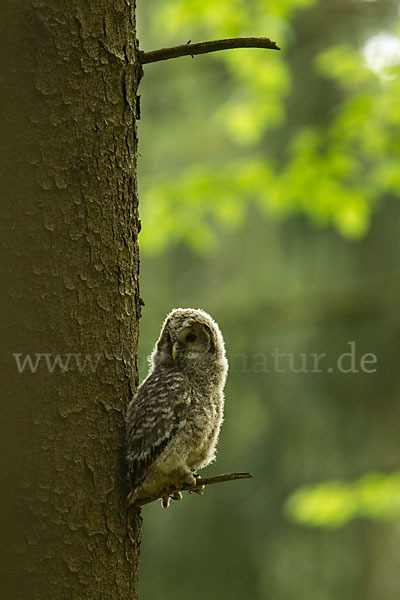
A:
(205, 47)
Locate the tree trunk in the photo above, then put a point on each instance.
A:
(70, 289)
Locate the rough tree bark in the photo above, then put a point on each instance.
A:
(70, 286)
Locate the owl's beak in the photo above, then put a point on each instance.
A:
(174, 350)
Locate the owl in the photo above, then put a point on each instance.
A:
(173, 422)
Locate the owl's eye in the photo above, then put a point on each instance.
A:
(191, 337)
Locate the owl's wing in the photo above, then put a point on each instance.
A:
(155, 415)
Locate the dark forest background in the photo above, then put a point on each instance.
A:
(269, 193)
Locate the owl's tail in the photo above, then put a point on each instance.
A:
(132, 496)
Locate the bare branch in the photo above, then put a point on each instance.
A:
(186, 487)
(205, 47)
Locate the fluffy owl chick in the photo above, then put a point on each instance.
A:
(173, 421)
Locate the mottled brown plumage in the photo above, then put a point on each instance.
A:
(173, 422)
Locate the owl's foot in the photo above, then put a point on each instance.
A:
(181, 480)
(176, 496)
(189, 478)
(199, 488)
(166, 499)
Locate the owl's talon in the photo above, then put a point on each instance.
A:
(199, 488)
(165, 500)
(176, 496)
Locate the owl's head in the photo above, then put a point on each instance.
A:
(190, 337)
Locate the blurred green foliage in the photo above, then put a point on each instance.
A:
(335, 170)
(335, 503)
(260, 173)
